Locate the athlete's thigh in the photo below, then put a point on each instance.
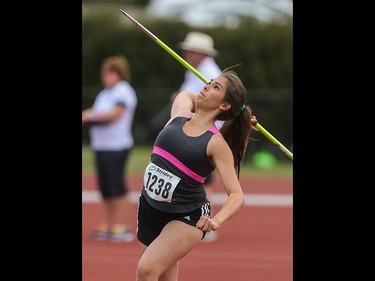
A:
(175, 241)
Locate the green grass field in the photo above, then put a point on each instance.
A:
(140, 156)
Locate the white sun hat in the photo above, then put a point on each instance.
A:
(199, 42)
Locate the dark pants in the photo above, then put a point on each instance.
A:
(110, 168)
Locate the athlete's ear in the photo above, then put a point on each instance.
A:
(225, 106)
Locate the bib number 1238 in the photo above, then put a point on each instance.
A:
(159, 183)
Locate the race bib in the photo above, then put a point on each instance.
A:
(159, 183)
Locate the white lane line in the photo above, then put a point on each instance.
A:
(251, 199)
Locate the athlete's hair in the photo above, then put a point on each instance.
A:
(237, 126)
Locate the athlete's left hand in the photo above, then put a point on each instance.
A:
(207, 224)
(254, 122)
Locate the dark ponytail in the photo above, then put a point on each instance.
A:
(237, 126)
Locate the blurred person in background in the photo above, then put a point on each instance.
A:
(110, 127)
(173, 209)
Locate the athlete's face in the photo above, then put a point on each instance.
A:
(215, 89)
(213, 94)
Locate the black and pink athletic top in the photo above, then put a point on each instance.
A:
(173, 180)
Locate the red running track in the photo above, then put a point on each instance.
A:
(255, 245)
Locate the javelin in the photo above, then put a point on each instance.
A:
(204, 79)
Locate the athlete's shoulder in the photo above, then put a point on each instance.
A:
(217, 143)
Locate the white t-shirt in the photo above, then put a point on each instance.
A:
(210, 70)
(116, 135)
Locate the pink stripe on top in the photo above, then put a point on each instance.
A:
(214, 129)
(165, 154)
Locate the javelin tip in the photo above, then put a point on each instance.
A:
(144, 29)
(125, 13)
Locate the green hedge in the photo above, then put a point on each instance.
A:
(265, 51)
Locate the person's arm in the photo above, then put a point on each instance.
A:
(91, 116)
(183, 105)
(222, 158)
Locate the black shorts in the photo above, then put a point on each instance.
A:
(151, 221)
(110, 166)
